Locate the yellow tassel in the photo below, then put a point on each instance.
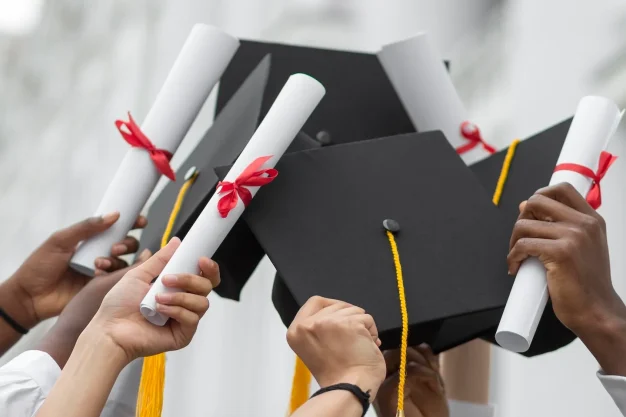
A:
(152, 384)
(300, 386)
(405, 323)
(504, 173)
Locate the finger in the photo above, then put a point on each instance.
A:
(155, 264)
(141, 222)
(185, 317)
(392, 360)
(413, 355)
(347, 310)
(143, 257)
(110, 264)
(527, 247)
(335, 308)
(540, 207)
(431, 358)
(128, 245)
(521, 206)
(527, 228)
(68, 238)
(566, 194)
(368, 321)
(210, 270)
(314, 305)
(418, 374)
(192, 302)
(194, 284)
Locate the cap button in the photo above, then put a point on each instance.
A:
(191, 173)
(323, 137)
(391, 225)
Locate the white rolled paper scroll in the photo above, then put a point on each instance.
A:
(424, 87)
(200, 64)
(293, 106)
(594, 124)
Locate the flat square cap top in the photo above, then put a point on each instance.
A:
(360, 102)
(321, 224)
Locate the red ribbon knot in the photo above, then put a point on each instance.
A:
(250, 177)
(594, 196)
(471, 132)
(132, 134)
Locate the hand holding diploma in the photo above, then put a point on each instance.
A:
(253, 169)
(197, 69)
(582, 164)
(568, 238)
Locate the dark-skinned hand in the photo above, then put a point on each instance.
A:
(558, 226)
(45, 283)
(424, 394)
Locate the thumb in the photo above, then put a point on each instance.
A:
(155, 264)
(71, 236)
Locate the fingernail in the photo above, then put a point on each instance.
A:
(509, 272)
(174, 239)
(143, 256)
(161, 307)
(169, 279)
(164, 297)
(110, 216)
(103, 263)
(121, 248)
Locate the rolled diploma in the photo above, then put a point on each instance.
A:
(422, 83)
(200, 64)
(594, 123)
(293, 106)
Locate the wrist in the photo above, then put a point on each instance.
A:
(18, 304)
(96, 339)
(361, 378)
(605, 337)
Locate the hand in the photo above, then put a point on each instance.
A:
(424, 394)
(338, 342)
(120, 320)
(557, 226)
(44, 283)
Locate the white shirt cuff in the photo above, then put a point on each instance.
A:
(616, 387)
(37, 365)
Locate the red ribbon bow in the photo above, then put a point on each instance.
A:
(137, 139)
(249, 177)
(471, 132)
(594, 196)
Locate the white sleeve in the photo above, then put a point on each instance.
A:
(25, 383)
(616, 387)
(465, 409)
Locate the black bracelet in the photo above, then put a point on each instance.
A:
(15, 325)
(363, 397)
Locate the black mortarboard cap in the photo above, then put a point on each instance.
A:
(360, 102)
(531, 169)
(321, 224)
(235, 124)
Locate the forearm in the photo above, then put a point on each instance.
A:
(465, 371)
(14, 303)
(606, 340)
(337, 403)
(87, 379)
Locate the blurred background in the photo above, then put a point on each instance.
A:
(69, 68)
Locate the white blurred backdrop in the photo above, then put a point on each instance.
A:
(69, 68)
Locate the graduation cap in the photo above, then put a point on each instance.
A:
(321, 224)
(360, 102)
(531, 168)
(233, 127)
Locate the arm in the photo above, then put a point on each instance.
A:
(87, 378)
(465, 371)
(14, 302)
